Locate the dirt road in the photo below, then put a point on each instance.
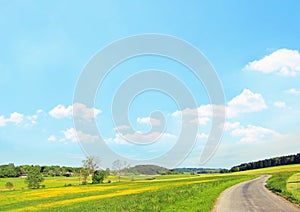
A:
(252, 196)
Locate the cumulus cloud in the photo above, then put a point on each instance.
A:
(31, 120)
(202, 111)
(201, 115)
(200, 121)
(14, 117)
(74, 135)
(122, 127)
(148, 120)
(280, 104)
(231, 125)
(61, 111)
(52, 138)
(246, 102)
(138, 137)
(2, 121)
(251, 133)
(78, 110)
(293, 91)
(20, 119)
(284, 62)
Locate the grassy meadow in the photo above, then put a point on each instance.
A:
(136, 193)
(164, 193)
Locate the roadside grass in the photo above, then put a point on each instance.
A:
(187, 193)
(293, 186)
(277, 184)
(285, 180)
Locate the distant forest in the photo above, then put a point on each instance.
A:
(277, 161)
(10, 170)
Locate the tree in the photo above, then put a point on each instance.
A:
(99, 176)
(89, 167)
(118, 165)
(34, 177)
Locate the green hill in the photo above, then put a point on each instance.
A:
(148, 169)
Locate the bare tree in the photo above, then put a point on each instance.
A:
(90, 165)
(120, 166)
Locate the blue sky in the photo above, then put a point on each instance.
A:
(253, 46)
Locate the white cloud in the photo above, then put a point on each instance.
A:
(201, 121)
(32, 120)
(231, 125)
(78, 110)
(293, 91)
(117, 140)
(252, 133)
(15, 117)
(246, 102)
(280, 104)
(39, 111)
(284, 62)
(83, 112)
(18, 118)
(202, 111)
(61, 111)
(73, 135)
(122, 127)
(138, 137)
(52, 138)
(202, 114)
(2, 121)
(148, 120)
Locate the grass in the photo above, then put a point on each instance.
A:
(285, 180)
(161, 193)
(49, 182)
(186, 192)
(293, 186)
(278, 184)
(272, 170)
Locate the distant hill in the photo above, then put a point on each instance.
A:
(197, 170)
(154, 170)
(148, 169)
(276, 161)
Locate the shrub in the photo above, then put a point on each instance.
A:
(34, 177)
(9, 185)
(99, 176)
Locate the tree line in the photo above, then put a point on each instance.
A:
(34, 175)
(10, 170)
(276, 161)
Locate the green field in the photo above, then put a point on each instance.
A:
(293, 186)
(165, 193)
(141, 193)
